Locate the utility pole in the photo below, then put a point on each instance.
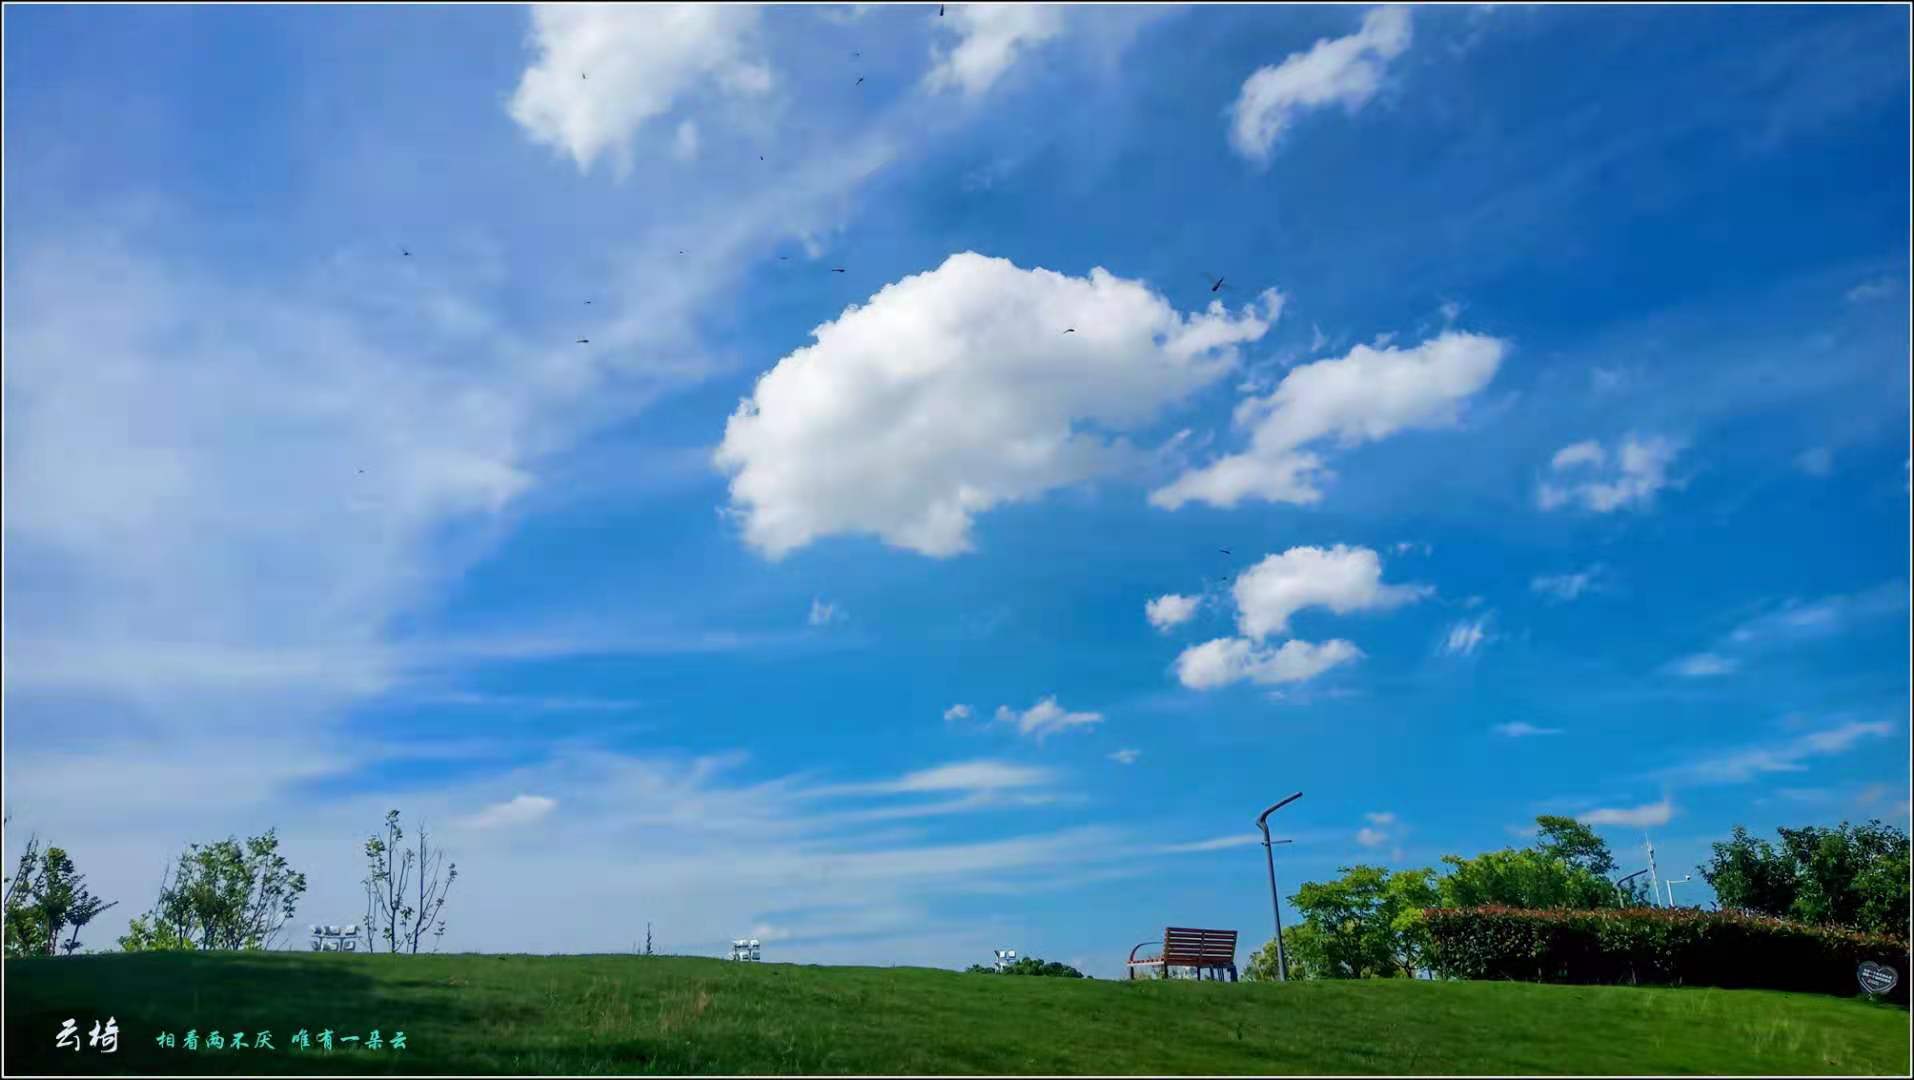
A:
(1654, 884)
(1269, 851)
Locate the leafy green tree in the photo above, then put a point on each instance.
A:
(1852, 876)
(1365, 924)
(45, 896)
(1030, 965)
(1523, 878)
(1574, 843)
(223, 895)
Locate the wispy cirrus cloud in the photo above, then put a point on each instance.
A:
(1786, 756)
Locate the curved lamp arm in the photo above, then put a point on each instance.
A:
(1262, 819)
(1139, 945)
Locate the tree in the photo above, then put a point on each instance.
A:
(1524, 878)
(44, 897)
(1574, 843)
(224, 895)
(1365, 924)
(1030, 965)
(400, 915)
(1850, 876)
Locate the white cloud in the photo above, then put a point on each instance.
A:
(1588, 452)
(1466, 636)
(1404, 547)
(1521, 729)
(966, 776)
(990, 38)
(684, 145)
(1229, 660)
(1383, 818)
(519, 811)
(1651, 814)
(1795, 620)
(1364, 396)
(1815, 461)
(957, 712)
(1369, 837)
(1343, 579)
(1745, 764)
(1221, 843)
(1126, 757)
(1451, 311)
(1877, 289)
(954, 391)
(823, 614)
(1046, 718)
(1641, 470)
(1344, 71)
(1567, 586)
(604, 70)
(1165, 612)
(1703, 665)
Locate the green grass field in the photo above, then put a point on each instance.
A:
(603, 1014)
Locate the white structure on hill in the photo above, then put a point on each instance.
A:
(745, 949)
(334, 938)
(1005, 958)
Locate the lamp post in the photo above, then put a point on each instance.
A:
(1623, 881)
(1670, 886)
(1275, 905)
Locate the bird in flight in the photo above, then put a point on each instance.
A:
(1072, 330)
(1223, 550)
(837, 270)
(859, 82)
(403, 251)
(583, 341)
(782, 258)
(1215, 283)
(581, 74)
(588, 301)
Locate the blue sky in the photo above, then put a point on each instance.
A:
(1555, 419)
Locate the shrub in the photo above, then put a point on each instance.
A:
(1682, 947)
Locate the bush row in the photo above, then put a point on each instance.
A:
(1656, 946)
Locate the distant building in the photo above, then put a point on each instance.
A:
(745, 949)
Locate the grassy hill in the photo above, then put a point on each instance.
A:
(600, 1014)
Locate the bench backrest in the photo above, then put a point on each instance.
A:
(1182, 945)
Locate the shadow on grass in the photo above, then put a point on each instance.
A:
(276, 993)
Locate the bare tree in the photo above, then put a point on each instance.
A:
(404, 890)
(431, 891)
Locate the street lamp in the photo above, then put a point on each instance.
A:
(1670, 886)
(1275, 905)
(1626, 880)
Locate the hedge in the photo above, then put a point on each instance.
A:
(1673, 947)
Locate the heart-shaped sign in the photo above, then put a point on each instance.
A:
(1877, 978)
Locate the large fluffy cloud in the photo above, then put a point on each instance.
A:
(990, 37)
(1344, 71)
(603, 70)
(956, 390)
(1369, 394)
(1341, 578)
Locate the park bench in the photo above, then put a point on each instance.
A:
(1213, 951)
